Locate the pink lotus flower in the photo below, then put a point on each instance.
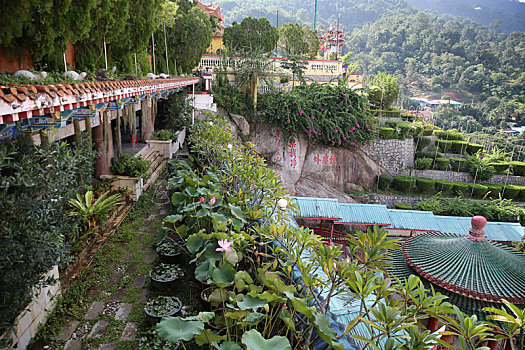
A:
(224, 246)
(201, 200)
(212, 201)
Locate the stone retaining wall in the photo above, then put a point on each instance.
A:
(392, 155)
(461, 176)
(391, 200)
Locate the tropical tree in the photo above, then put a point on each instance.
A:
(513, 324)
(291, 39)
(383, 90)
(251, 35)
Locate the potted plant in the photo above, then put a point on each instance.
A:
(164, 274)
(220, 322)
(126, 192)
(162, 306)
(93, 211)
(170, 252)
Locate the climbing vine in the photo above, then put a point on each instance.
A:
(330, 114)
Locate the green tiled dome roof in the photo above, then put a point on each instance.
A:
(468, 265)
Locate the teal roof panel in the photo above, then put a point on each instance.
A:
(496, 231)
(355, 213)
(412, 220)
(317, 208)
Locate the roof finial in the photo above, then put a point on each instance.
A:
(476, 232)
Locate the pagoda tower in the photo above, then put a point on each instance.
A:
(332, 40)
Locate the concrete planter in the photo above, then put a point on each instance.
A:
(135, 184)
(36, 312)
(166, 148)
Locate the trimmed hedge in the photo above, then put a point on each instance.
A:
(461, 187)
(518, 168)
(510, 191)
(500, 167)
(448, 134)
(423, 163)
(441, 163)
(425, 185)
(458, 164)
(403, 206)
(478, 190)
(403, 183)
(386, 133)
(473, 148)
(422, 142)
(495, 190)
(384, 181)
(428, 131)
(424, 154)
(444, 185)
(457, 146)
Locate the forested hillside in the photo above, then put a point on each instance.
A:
(432, 53)
(504, 15)
(353, 13)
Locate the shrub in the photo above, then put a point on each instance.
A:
(386, 133)
(441, 163)
(479, 169)
(443, 145)
(500, 167)
(384, 181)
(423, 163)
(408, 117)
(444, 185)
(425, 185)
(422, 142)
(403, 206)
(510, 191)
(518, 168)
(478, 190)
(458, 147)
(461, 187)
(448, 135)
(406, 130)
(473, 148)
(403, 183)
(418, 130)
(427, 131)
(495, 190)
(129, 165)
(457, 164)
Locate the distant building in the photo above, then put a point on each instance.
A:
(332, 40)
(321, 71)
(216, 45)
(435, 103)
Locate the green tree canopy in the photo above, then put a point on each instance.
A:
(291, 39)
(251, 35)
(383, 90)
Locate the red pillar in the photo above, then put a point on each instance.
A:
(493, 344)
(101, 164)
(148, 128)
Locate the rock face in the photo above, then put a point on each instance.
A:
(305, 168)
(242, 124)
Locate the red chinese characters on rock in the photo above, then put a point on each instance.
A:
(325, 159)
(277, 156)
(292, 153)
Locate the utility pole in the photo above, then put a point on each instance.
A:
(337, 34)
(315, 17)
(153, 49)
(166, 47)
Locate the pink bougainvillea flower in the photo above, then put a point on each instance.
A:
(357, 125)
(201, 200)
(212, 201)
(322, 109)
(288, 121)
(352, 143)
(301, 111)
(293, 102)
(313, 117)
(224, 246)
(353, 128)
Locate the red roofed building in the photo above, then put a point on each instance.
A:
(212, 10)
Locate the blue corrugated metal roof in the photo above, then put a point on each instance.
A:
(413, 220)
(496, 231)
(321, 208)
(355, 213)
